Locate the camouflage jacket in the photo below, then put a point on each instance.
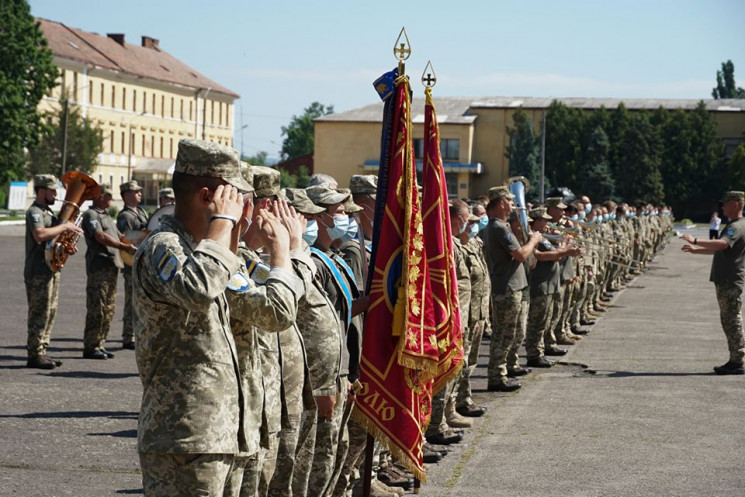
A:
(192, 400)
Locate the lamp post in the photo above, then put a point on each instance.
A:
(242, 128)
(131, 144)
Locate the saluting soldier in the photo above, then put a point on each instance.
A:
(131, 218)
(728, 276)
(42, 284)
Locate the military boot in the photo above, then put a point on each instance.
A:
(455, 420)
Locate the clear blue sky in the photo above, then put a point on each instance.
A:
(282, 55)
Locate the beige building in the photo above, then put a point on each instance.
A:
(144, 99)
(473, 134)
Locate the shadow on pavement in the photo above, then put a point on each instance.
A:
(74, 414)
(92, 374)
(130, 491)
(117, 434)
(631, 374)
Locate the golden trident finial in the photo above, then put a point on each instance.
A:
(402, 50)
(429, 78)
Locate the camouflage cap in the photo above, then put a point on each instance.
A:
(247, 173)
(539, 213)
(105, 188)
(556, 202)
(129, 186)
(298, 198)
(166, 192)
(46, 181)
(323, 179)
(323, 195)
(349, 206)
(204, 158)
(364, 183)
(499, 192)
(737, 196)
(265, 181)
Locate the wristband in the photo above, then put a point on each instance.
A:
(225, 216)
(695, 241)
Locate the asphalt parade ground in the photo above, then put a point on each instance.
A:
(633, 410)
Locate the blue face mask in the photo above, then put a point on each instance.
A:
(341, 223)
(473, 231)
(463, 229)
(483, 222)
(588, 208)
(351, 230)
(581, 215)
(613, 216)
(311, 232)
(599, 219)
(574, 217)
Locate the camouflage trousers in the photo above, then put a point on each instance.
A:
(471, 356)
(41, 293)
(357, 444)
(128, 332)
(538, 317)
(513, 355)
(578, 304)
(562, 326)
(100, 306)
(256, 477)
(504, 329)
(332, 443)
(242, 465)
(437, 422)
(281, 480)
(304, 451)
(167, 475)
(730, 305)
(557, 306)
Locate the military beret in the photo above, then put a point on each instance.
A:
(45, 181)
(734, 195)
(105, 188)
(166, 192)
(297, 198)
(204, 158)
(265, 181)
(556, 202)
(539, 213)
(129, 186)
(499, 192)
(364, 183)
(323, 195)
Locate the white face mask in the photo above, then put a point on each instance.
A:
(341, 223)
(351, 230)
(311, 232)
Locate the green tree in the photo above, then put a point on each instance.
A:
(726, 87)
(596, 180)
(736, 172)
(290, 180)
(84, 143)
(637, 174)
(524, 150)
(26, 75)
(257, 160)
(563, 144)
(299, 133)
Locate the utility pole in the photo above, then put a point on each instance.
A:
(64, 137)
(542, 187)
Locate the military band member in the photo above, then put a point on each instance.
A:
(102, 265)
(166, 197)
(728, 276)
(131, 218)
(42, 284)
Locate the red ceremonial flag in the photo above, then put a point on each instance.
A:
(438, 244)
(400, 356)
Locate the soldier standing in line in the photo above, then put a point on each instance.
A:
(42, 284)
(191, 421)
(102, 265)
(505, 257)
(131, 218)
(728, 276)
(166, 197)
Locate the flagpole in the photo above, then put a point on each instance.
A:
(402, 51)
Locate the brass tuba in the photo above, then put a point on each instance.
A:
(519, 186)
(80, 188)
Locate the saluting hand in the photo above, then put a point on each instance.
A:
(292, 220)
(225, 201)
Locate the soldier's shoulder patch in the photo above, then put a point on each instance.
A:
(238, 282)
(94, 223)
(36, 217)
(166, 266)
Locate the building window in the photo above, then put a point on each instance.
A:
(111, 179)
(171, 148)
(173, 105)
(161, 147)
(730, 145)
(191, 114)
(63, 81)
(153, 109)
(124, 98)
(181, 114)
(418, 148)
(143, 145)
(134, 100)
(450, 149)
(144, 102)
(219, 114)
(102, 95)
(90, 94)
(124, 144)
(227, 116)
(212, 112)
(75, 86)
(121, 179)
(451, 179)
(100, 179)
(163, 106)
(111, 142)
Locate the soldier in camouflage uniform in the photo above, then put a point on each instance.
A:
(42, 284)
(192, 422)
(561, 304)
(504, 257)
(102, 265)
(514, 369)
(728, 275)
(131, 218)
